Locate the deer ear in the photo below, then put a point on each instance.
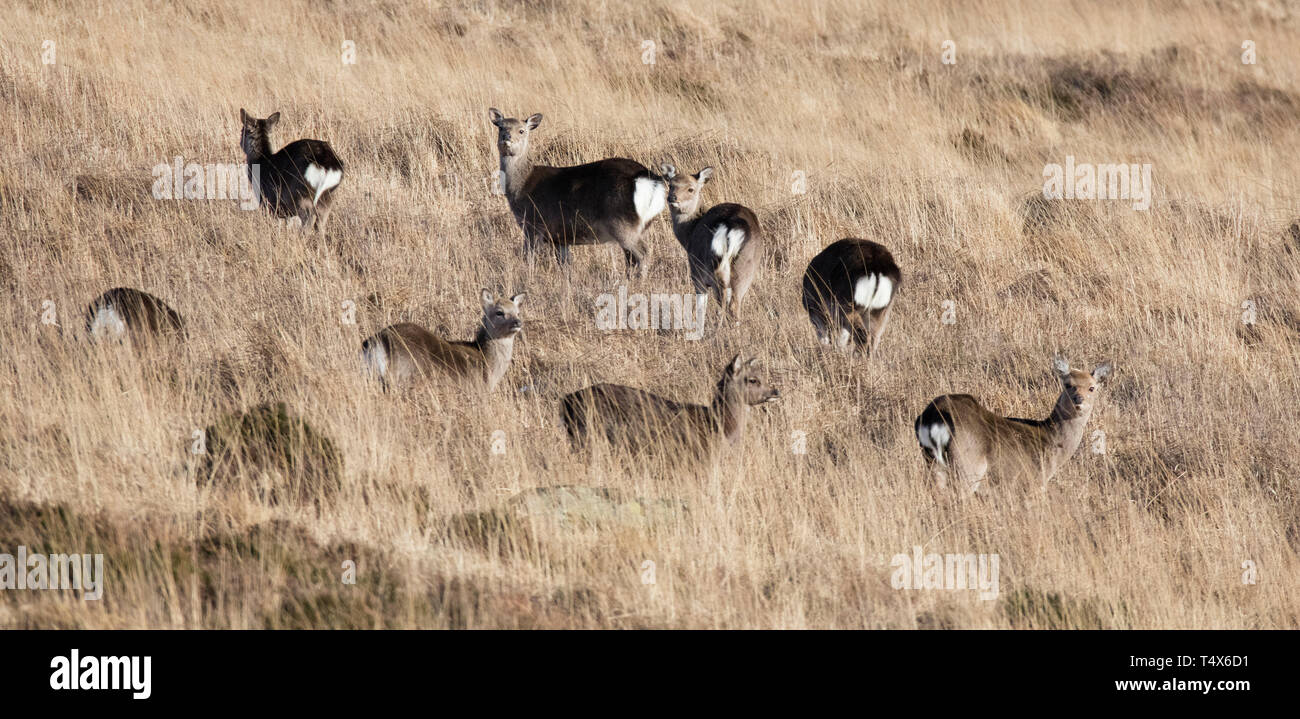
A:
(704, 175)
(243, 116)
(274, 118)
(668, 171)
(736, 364)
(1061, 365)
(534, 120)
(517, 299)
(1101, 371)
(487, 298)
(754, 362)
(496, 116)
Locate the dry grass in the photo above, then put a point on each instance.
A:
(936, 161)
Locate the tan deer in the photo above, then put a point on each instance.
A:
(723, 245)
(640, 421)
(610, 200)
(960, 437)
(401, 353)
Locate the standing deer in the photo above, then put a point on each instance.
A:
(723, 246)
(848, 291)
(403, 352)
(609, 200)
(957, 435)
(640, 421)
(298, 180)
(126, 312)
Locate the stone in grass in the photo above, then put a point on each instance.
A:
(578, 505)
(274, 454)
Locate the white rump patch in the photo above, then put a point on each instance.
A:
(107, 324)
(934, 437)
(321, 179)
(726, 245)
(873, 292)
(374, 360)
(649, 197)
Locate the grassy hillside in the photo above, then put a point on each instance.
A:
(834, 120)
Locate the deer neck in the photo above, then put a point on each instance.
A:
(684, 223)
(729, 414)
(261, 151)
(515, 170)
(496, 355)
(1065, 429)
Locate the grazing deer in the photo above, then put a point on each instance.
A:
(958, 435)
(609, 200)
(723, 246)
(403, 352)
(638, 420)
(849, 291)
(298, 180)
(123, 311)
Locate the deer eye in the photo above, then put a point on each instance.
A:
(1092, 389)
(500, 313)
(751, 380)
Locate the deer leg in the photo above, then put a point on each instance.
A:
(878, 328)
(323, 212)
(564, 256)
(634, 253)
(306, 213)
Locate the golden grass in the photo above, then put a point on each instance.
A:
(936, 161)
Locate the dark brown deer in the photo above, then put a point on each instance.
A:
(123, 312)
(723, 245)
(404, 352)
(610, 200)
(299, 180)
(848, 291)
(640, 421)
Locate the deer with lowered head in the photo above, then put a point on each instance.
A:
(609, 200)
(848, 291)
(125, 312)
(963, 441)
(723, 245)
(640, 421)
(401, 353)
(298, 180)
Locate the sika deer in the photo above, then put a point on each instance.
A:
(848, 291)
(610, 200)
(123, 311)
(723, 246)
(958, 435)
(298, 180)
(638, 420)
(403, 352)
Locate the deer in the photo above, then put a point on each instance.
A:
(610, 200)
(723, 245)
(405, 352)
(637, 420)
(298, 180)
(958, 436)
(848, 291)
(124, 312)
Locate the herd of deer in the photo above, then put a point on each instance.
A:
(848, 292)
